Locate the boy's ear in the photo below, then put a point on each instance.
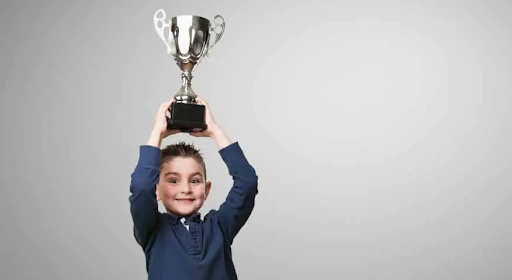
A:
(208, 186)
(157, 193)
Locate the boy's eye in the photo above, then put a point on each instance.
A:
(195, 181)
(173, 181)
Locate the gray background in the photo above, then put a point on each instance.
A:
(380, 131)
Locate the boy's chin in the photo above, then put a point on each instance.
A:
(183, 210)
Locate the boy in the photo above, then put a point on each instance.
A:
(179, 244)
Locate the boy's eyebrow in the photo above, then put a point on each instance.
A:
(197, 173)
(171, 173)
(178, 174)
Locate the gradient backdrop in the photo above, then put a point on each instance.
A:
(380, 131)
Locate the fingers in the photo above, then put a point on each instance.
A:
(172, 131)
(197, 134)
(201, 101)
(164, 107)
(167, 104)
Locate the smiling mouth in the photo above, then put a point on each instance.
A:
(186, 200)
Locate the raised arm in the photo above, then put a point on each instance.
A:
(145, 177)
(240, 201)
(238, 206)
(143, 203)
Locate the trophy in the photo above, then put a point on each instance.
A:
(189, 39)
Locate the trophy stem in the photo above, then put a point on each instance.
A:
(186, 78)
(186, 94)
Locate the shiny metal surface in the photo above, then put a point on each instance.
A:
(189, 39)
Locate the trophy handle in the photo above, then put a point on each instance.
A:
(160, 30)
(218, 34)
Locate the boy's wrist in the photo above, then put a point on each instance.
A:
(216, 132)
(155, 139)
(220, 137)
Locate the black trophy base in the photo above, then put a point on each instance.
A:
(187, 117)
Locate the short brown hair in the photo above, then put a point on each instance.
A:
(182, 149)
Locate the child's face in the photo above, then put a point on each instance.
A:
(182, 187)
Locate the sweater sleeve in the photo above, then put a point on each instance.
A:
(239, 204)
(143, 203)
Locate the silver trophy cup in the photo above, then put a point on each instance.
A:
(189, 39)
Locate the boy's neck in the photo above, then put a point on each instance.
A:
(197, 213)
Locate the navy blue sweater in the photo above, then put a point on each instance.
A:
(203, 252)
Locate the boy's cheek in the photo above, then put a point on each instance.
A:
(168, 195)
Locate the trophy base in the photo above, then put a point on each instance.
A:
(187, 117)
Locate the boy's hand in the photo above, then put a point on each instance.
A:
(212, 126)
(160, 130)
(213, 130)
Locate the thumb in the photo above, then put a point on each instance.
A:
(196, 134)
(201, 101)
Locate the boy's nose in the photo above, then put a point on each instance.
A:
(186, 188)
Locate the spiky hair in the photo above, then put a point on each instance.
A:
(182, 149)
